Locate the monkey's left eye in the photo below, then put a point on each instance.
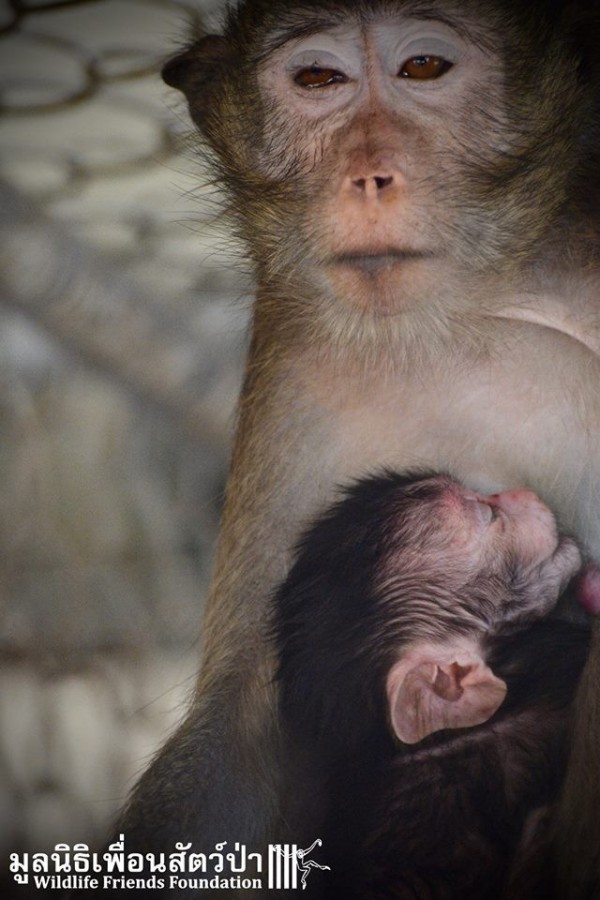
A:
(317, 77)
(425, 68)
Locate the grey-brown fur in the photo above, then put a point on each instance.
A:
(488, 366)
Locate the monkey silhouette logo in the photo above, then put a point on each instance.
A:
(287, 860)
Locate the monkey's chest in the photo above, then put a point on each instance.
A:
(529, 417)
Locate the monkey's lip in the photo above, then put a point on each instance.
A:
(374, 261)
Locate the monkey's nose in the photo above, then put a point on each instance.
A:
(376, 182)
(373, 187)
(516, 501)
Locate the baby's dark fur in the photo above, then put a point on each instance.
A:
(444, 818)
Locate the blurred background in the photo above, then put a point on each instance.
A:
(123, 311)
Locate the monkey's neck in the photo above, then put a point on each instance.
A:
(467, 320)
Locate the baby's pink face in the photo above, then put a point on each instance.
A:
(513, 525)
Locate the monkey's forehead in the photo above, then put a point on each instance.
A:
(277, 24)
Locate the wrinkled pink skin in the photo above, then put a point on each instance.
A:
(486, 529)
(532, 525)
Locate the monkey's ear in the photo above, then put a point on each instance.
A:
(191, 70)
(435, 687)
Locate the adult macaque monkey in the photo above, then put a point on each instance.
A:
(417, 186)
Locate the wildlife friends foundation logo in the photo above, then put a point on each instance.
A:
(69, 868)
(287, 861)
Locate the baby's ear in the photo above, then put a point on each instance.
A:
(438, 686)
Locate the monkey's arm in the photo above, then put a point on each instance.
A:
(218, 777)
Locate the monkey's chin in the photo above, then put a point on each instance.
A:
(384, 285)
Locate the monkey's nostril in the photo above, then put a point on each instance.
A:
(379, 182)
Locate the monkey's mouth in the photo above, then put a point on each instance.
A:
(374, 263)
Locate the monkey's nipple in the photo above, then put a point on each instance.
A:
(588, 589)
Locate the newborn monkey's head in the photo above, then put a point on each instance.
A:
(506, 544)
(398, 589)
(494, 562)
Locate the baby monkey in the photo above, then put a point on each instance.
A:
(425, 693)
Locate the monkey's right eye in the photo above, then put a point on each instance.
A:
(317, 77)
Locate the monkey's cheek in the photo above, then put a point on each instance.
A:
(570, 556)
(560, 568)
(566, 560)
(535, 535)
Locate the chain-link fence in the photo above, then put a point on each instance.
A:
(123, 307)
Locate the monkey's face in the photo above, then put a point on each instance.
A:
(497, 554)
(382, 157)
(513, 531)
(513, 523)
(396, 128)
(378, 121)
